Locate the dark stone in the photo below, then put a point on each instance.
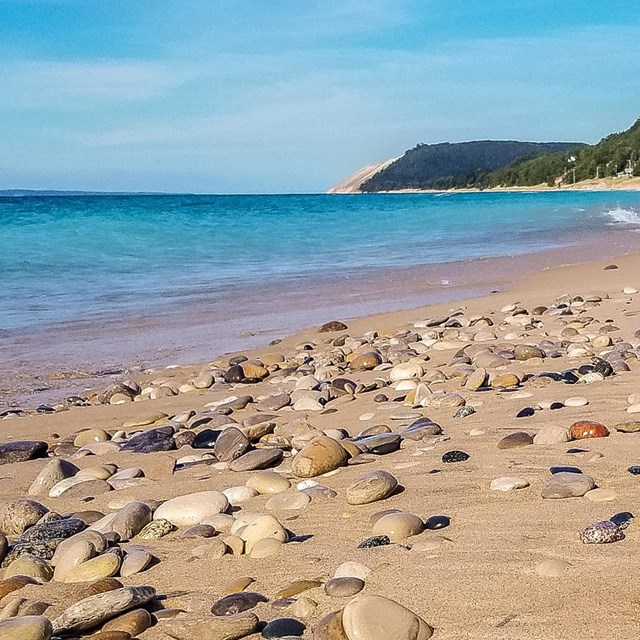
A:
(284, 628)
(455, 456)
(237, 603)
(56, 529)
(622, 519)
(344, 384)
(611, 267)
(22, 450)
(231, 444)
(584, 369)
(526, 412)
(380, 444)
(45, 408)
(563, 469)
(112, 390)
(556, 405)
(380, 397)
(437, 522)
(556, 377)
(603, 367)
(634, 470)
(258, 459)
(43, 550)
(184, 438)
(234, 374)
(334, 325)
(574, 450)
(159, 439)
(464, 411)
(374, 541)
(237, 360)
(205, 439)
(515, 440)
(569, 377)
(420, 428)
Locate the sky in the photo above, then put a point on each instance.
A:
(272, 96)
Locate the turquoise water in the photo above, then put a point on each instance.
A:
(74, 258)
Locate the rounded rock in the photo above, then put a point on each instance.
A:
(371, 487)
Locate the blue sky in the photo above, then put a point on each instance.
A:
(292, 95)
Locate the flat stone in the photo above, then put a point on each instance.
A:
(371, 487)
(380, 444)
(508, 483)
(378, 618)
(238, 495)
(288, 501)
(17, 516)
(135, 562)
(351, 569)
(15, 583)
(601, 495)
(604, 532)
(235, 603)
(257, 459)
(285, 628)
(192, 508)
(80, 487)
(159, 439)
(133, 622)
(343, 587)
(231, 444)
(568, 485)
(268, 482)
(628, 427)
(211, 628)
(22, 450)
(26, 628)
(576, 401)
(104, 566)
(476, 380)
(515, 440)
(53, 472)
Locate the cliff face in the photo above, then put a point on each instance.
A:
(353, 183)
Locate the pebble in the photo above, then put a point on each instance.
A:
(515, 440)
(257, 459)
(26, 628)
(455, 456)
(377, 618)
(104, 566)
(398, 526)
(234, 603)
(371, 487)
(351, 569)
(211, 627)
(135, 562)
(601, 533)
(576, 401)
(508, 483)
(628, 427)
(22, 450)
(343, 587)
(320, 456)
(17, 516)
(53, 472)
(261, 528)
(568, 485)
(601, 495)
(374, 541)
(192, 508)
(268, 482)
(552, 434)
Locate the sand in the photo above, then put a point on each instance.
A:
(481, 584)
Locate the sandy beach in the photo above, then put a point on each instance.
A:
(508, 564)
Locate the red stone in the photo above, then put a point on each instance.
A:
(588, 429)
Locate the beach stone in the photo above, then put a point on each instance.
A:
(274, 402)
(76, 554)
(380, 444)
(199, 531)
(567, 485)
(343, 587)
(601, 533)
(53, 472)
(378, 618)
(421, 428)
(576, 401)
(552, 434)
(601, 495)
(46, 530)
(104, 566)
(437, 522)
(97, 540)
(31, 567)
(257, 459)
(552, 568)
(366, 361)
(332, 326)
(211, 628)
(238, 584)
(235, 603)
(527, 412)
(371, 487)
(406, 371)
(515, 440)
(94, 610)
(454, 456)
(205, 439)
(329, 627)
(527, 352)
(19, 515)
(398, 526)
(261, 528)
(505, 381)
(231, 444)
(192, 508)
(88, 436)
(374, 541)
(352, 569)
(285, 628)
(213, 549)
(26, 628)
(265, 548)
(157, 528)
(268, 482)
(80, 487)
(320, 456)
(297, 587)
(158, 439)
(238, 495)
(288, 501)
(131, 519)
(133, 622)
(508, 483)
(135, 562)
(588, 429)
(303, 607)
(476, 380)
(22, 450)
(628, 427)
(253, 372)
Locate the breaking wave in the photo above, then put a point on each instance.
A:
(624, 216)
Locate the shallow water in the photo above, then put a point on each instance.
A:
(105, 279)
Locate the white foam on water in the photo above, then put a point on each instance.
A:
(624, 216)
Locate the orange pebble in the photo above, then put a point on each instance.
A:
(588, 429)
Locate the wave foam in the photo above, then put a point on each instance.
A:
(625, 216)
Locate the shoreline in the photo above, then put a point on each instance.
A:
(42, 366)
